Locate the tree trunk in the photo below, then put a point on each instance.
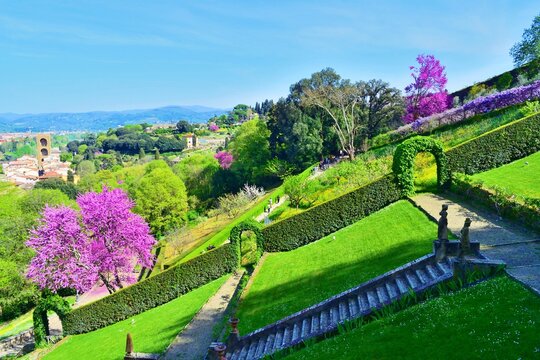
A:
(109, 287)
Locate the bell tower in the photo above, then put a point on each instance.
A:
(43, 142)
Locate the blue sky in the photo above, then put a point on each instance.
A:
(113, 55)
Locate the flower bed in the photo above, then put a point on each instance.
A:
(480, 105)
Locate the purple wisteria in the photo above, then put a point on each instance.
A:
(105, 241)
(479, 105)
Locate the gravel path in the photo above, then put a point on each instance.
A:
(499, 239)
(193, 341)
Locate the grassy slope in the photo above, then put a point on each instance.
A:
(223, 235)
(516, 177)
(152, 331)
(498, 319)
(290, 281)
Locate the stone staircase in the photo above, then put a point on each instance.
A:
(313, 322)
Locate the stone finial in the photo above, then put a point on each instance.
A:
(442, 231)
(129, 344)
(220, 351)
(465, 239)
(234, 336)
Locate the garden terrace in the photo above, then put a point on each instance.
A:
(495, 319)
(384, 240)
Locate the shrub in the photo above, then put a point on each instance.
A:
(520, 209)
(236, 236)
(10, 308)
(153, 291)
(504, 81)
(495, 148)
(403, 166)
(330, 216)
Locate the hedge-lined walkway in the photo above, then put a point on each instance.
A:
(193, 341)
(499, 239)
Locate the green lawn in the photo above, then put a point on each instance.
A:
(152, 331)
(519, 177)
(497, 319)
(290, 281)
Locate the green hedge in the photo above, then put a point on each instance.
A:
(330, 216)
(498, 147)
(403, 164)
(49, 302)
(152, 292)
(525, 211)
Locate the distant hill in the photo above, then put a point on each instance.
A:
(103, 120)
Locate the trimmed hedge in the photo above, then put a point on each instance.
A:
(403, 165)
(152, 292)
(505, 204)
(48, 302)
(236, 237)
(326, 218)
(498, 147)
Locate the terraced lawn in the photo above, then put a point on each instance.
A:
(519, 177)
(290, 281)
(497, 319)
(152, 331)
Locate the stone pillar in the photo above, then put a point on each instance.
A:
(129, 347)
(234, 336)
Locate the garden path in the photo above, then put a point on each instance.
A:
(499, 239)
(193, 341)
(282, 200)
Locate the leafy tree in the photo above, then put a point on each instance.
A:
(35, 200)
(197, 172)
(427, 94)
(69, 189)
(70, 177)
(85, 168)
(142, 154)
(156, 154)
(251, 150)
(528, 49)
(183, 126)
(162, 200)
(298, 189)
(295, 137)
(12, 282)
(340, 99)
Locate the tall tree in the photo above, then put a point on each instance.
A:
(162, 200)
(528, 49)
(340, 100)
(251, 150)
(183, 126)
(427, 94)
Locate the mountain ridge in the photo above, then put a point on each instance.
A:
(103, 119)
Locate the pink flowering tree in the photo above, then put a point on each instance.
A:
(213, 127)
(63, 258)
(105, 241)
(427, 94)
(225, 159)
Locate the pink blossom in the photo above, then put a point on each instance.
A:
(225, 159)
(213, 127)
(427, 94)
(105, 241)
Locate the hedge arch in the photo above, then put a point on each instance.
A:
(236, 236)
(403, 165)
(48, 302)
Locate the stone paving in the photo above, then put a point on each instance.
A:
(500, 239)
(192, 343)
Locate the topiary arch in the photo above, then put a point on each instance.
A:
(52, 302)
(403, 165)
(236, 235)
